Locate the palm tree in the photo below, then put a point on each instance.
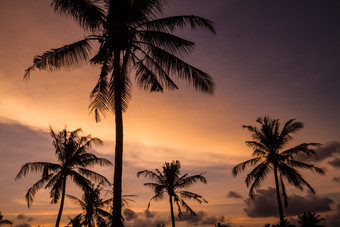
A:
(285, 223)
(73, 158)
(218, 224)
(133, 40)
(93, 208)
(170, 182)
(4, 221)
(309, 219)
(268, 145)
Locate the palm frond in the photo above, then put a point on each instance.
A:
(187, 181)
(194, 196)
(294, 177)
(241, 167)
(76, 201)
(150, 75)
(301, 149)
(85, 12)
(30, 194)
(289, 127)
(151, 175)
(146, 79)
(257, 176)
(186, 207)
(80, 180)
(36, 167)
(169, 24)
(100, 99)
(166, 41)
(88, 159)
(121, 91)
(177, 67)
(68, 56)
(56, 189)
(303, 165)
(94, 176)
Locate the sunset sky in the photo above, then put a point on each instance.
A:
(277, 58)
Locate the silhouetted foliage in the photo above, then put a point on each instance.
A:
(131, 39)
(168, 181)
(218, 224)
(309, 219)
(93, 208)
(4, 221)
(268, 155)
(73, 158)
(285, 223)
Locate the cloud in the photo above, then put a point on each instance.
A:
(143, 219)
(22, 225)
(235, 195)
(129, 214)
(330, 149)
(335, 162)
(334, 219)
(149, 214)
(265, 204)
(21, 216)
(336, 179)
(24, 217)
(201, 218)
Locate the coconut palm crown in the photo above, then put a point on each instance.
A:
(169, 182)
(132, 40)
(269, 154)
(73, 161)
(93, 208)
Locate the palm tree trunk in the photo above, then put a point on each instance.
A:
(172, 212)
(278, 197)
(61, 204)
(118, 168)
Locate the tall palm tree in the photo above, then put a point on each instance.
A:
(93, 208)
(269, 154)
(310, 219)
(4, 221)
(168, 181)
(71, 150)
(133, 40)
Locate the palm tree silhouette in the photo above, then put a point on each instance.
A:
(309, 219)
(285, 223)
(267, 151)
(4, 221)
(93, 208)
(73, 158)
(170, 182)
(132, 40)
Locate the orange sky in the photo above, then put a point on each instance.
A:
(266, 59)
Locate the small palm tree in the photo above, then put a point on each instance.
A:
(285, 223)
(309, 219)
(4, 221)
(170, 182)
(132, 41)
(268, 145)
(73, 158)
(93, 208)
(218, 224)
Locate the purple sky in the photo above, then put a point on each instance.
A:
(277, 58)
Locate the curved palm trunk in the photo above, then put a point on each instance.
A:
(118, 168)
(61, 204)
(172, 211)
(278, 197)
